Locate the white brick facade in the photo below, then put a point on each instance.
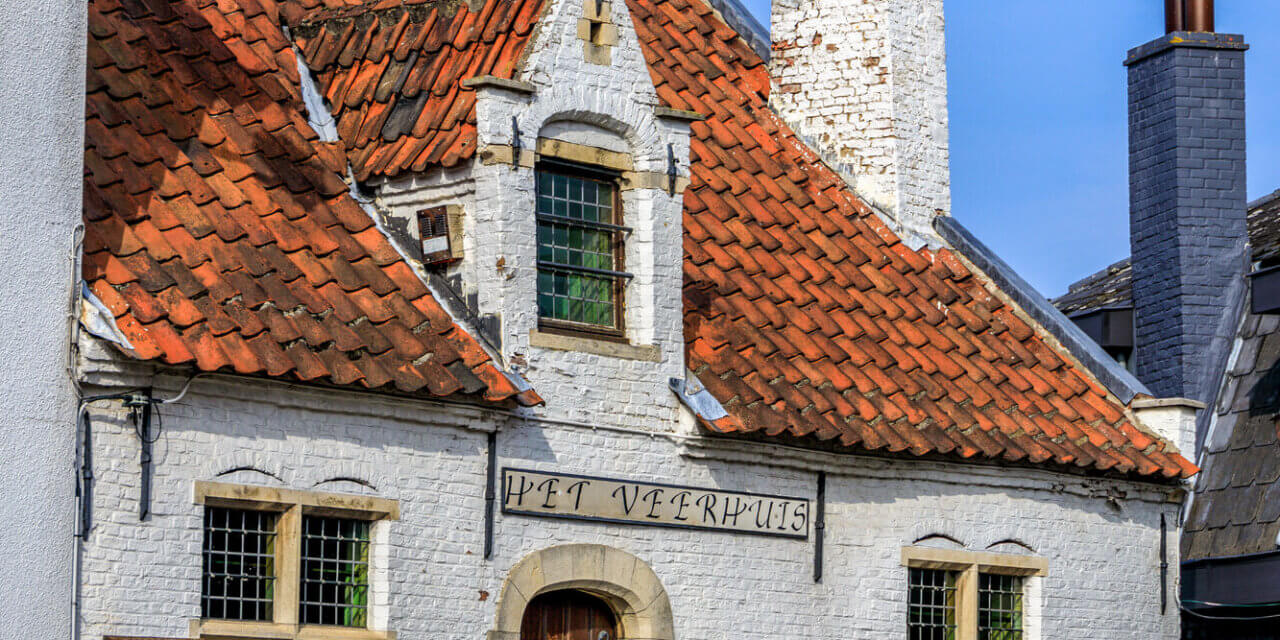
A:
(604, 416)
(1101, 538)
(41, 151)
(866, 82)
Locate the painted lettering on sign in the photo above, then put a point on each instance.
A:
(558, 495)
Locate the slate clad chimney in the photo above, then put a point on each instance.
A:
(865, 83)
(1186, 198)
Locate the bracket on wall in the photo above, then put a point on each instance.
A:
(139, 405)
(672, 174)
(516, 146)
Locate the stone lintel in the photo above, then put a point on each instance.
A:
(518, 86)
(678, 114)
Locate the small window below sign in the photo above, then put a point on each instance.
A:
(440, 231)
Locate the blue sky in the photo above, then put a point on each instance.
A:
(1039, 147)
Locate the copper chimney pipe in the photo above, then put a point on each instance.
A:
(1188, 15)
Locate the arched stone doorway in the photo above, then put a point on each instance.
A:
(622, 582)
(568, 615)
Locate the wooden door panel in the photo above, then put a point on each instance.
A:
(567, 615)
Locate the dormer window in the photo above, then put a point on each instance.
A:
(580, 240)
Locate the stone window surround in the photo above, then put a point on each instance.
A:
(291, 504)
(573, 341)
(968, 564)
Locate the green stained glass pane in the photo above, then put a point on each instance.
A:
(563, 292)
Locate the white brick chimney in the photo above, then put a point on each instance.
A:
(865, 82)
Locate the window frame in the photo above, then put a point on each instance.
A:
(619, 232)
(968, 565)
(292, 505)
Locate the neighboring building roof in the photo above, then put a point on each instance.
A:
(1236, 507)
(1112, 287)
(811, 322)
(219, 230)
(392, 73)
(1264, 227)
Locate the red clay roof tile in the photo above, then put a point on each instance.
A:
(934, 363)
(190, 156)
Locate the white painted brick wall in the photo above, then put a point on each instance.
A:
(144, 578)
(866, 82)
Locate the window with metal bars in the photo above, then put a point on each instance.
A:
(999, 607)
(239, 564)
(335, 571)
(931, 605)
(580, 281)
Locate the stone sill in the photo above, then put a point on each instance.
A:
(278, 631)
(607, 348)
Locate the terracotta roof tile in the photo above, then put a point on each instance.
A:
(392, 72)
(219, 230)
(808, 318)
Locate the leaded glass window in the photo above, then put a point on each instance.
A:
(335, 571)
(931, 605)
(579, 250)
(999, 607)
(239, 564)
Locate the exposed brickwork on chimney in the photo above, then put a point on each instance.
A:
(865, 82)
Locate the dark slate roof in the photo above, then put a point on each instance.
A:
(1264, 227)
(1111, 287)
(1236, 509)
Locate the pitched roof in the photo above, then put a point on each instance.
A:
(1113, 286)
(225, 236)
(809, 319)
(392, 73)
(1264, 227)
(219, 230)
(1236, 508)
(1109, 288)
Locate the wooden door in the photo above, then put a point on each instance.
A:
(568, 615)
